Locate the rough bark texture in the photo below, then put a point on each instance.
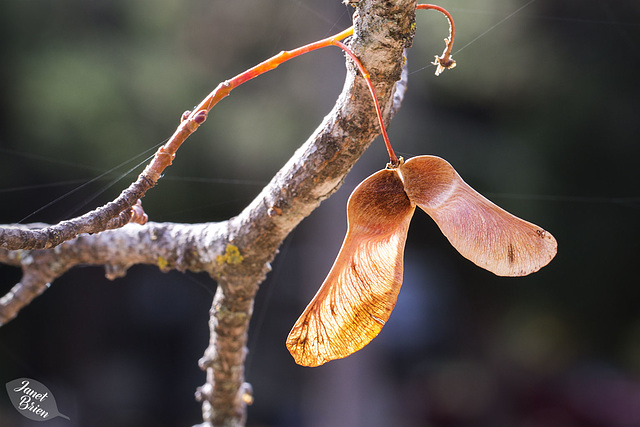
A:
(237, 253)
(382, 30)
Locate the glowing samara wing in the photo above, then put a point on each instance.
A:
(360, 291)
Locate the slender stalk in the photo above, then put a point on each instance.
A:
(196, 117)
(393, 159)
(224, 88)
(191, 120)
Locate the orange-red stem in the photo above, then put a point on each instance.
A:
(197, 116)
(192, 120)
(224, 88)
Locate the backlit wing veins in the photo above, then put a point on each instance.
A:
(360, 291)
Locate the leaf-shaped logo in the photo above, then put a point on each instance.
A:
(33, 400)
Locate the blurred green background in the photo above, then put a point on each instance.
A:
(541, 116)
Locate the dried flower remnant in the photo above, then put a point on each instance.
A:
(444, 61)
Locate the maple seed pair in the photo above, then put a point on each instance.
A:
(357, 297)
(360, 291)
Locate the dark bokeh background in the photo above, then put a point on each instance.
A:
(541, 115)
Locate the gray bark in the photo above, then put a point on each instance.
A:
(237, 253)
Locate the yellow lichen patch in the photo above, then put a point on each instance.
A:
(231, 256)
(162, 263)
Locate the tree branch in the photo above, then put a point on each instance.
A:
(167, 245)
(381, 33)
(237, 253)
